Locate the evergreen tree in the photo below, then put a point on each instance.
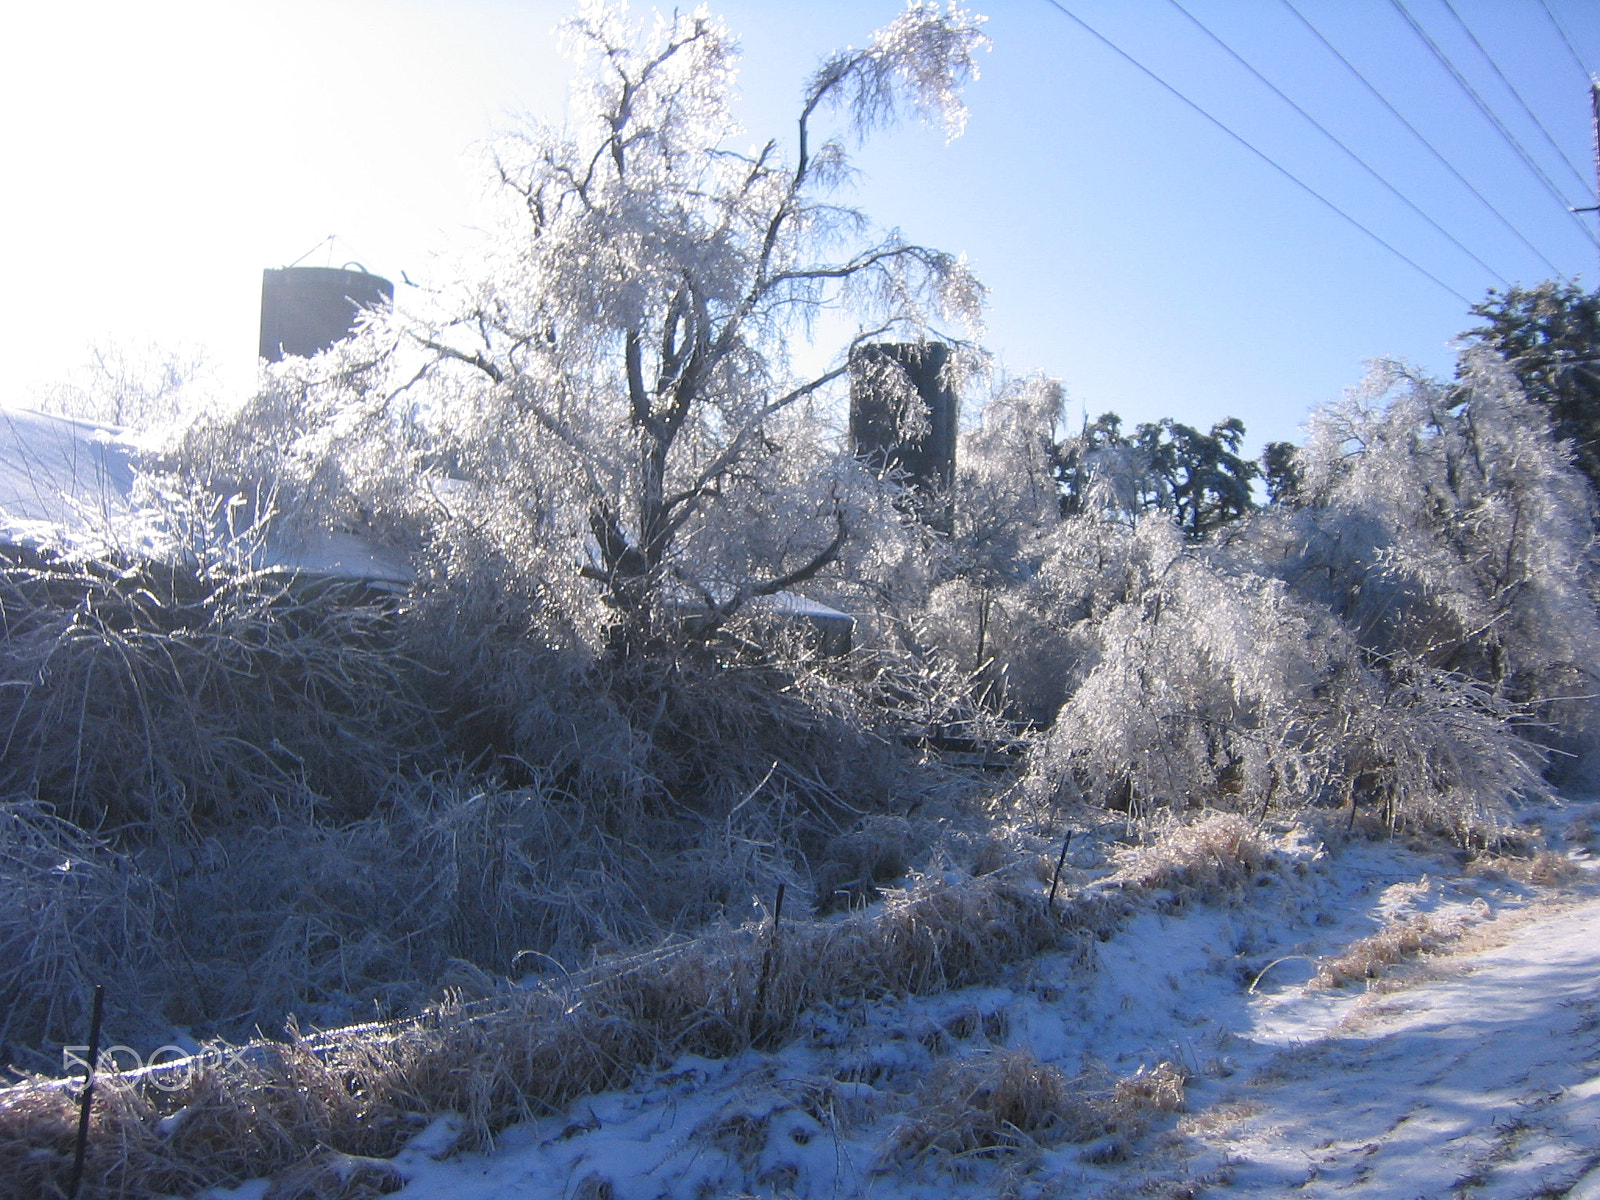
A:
(1550, 337)
(1281, 472)
(1167, 466)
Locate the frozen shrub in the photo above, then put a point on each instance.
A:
(1372, 957)
(1158, 1089)
(1411, 631)
(1445, 528)
(995, 1105)
(1193, 681)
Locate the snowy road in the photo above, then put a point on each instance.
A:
(1485, 1083)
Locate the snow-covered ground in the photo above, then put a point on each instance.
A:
(1473, 1071)
(1484, 1082)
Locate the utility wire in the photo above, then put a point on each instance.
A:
(1423, 138)
(1284, 171)
(1566, 41)
(1488, 113)
(1511, 87)
(1329, 134)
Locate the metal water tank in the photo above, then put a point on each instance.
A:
(305, 310)
(883, 377)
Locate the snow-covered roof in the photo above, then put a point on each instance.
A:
(69, 485)
(60, 477)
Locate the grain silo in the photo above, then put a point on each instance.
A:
(305, 310)
(904, 416)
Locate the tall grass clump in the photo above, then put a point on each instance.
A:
(76, 913)
(167, 696)
(1009, 1104)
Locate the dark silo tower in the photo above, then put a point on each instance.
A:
(884, 378)
(305, 310)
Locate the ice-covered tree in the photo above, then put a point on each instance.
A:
(1447, 529)
(1445, 521)
(131, 383)
(619, 360)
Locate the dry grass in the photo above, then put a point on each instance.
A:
(1372, 957)
(1219, 1119)
(160, 698)
(361, 1093)
(1208, 860)
(1158, 1089)
(76, 913)
(309, 800)
(451, 885)
(328, 1176)
(1542, 868)
(1584, 831)
(992, 1105)
(1000, 1104)
(285, 826)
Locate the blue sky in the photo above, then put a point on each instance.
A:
(160, 155)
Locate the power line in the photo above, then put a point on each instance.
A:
(1329, 134)
(1511, 87)
(1423, 138)
(1284, 171)
(1565, 40)
(1489, 115)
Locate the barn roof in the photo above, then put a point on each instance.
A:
(68, 486)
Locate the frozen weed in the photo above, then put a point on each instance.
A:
(991, 1105)
(159, 698)
(78, 913)
(1156, 1090)
(1542, 868)
(1212, 858)
(327, 1176)
(997, 1104)
(854, 864)
(1584, 832)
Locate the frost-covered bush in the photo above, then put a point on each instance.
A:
(976, 608)
(1189, 675)
(1446, 528)
(333, 443)
(1202, 679)
(1458, 504)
